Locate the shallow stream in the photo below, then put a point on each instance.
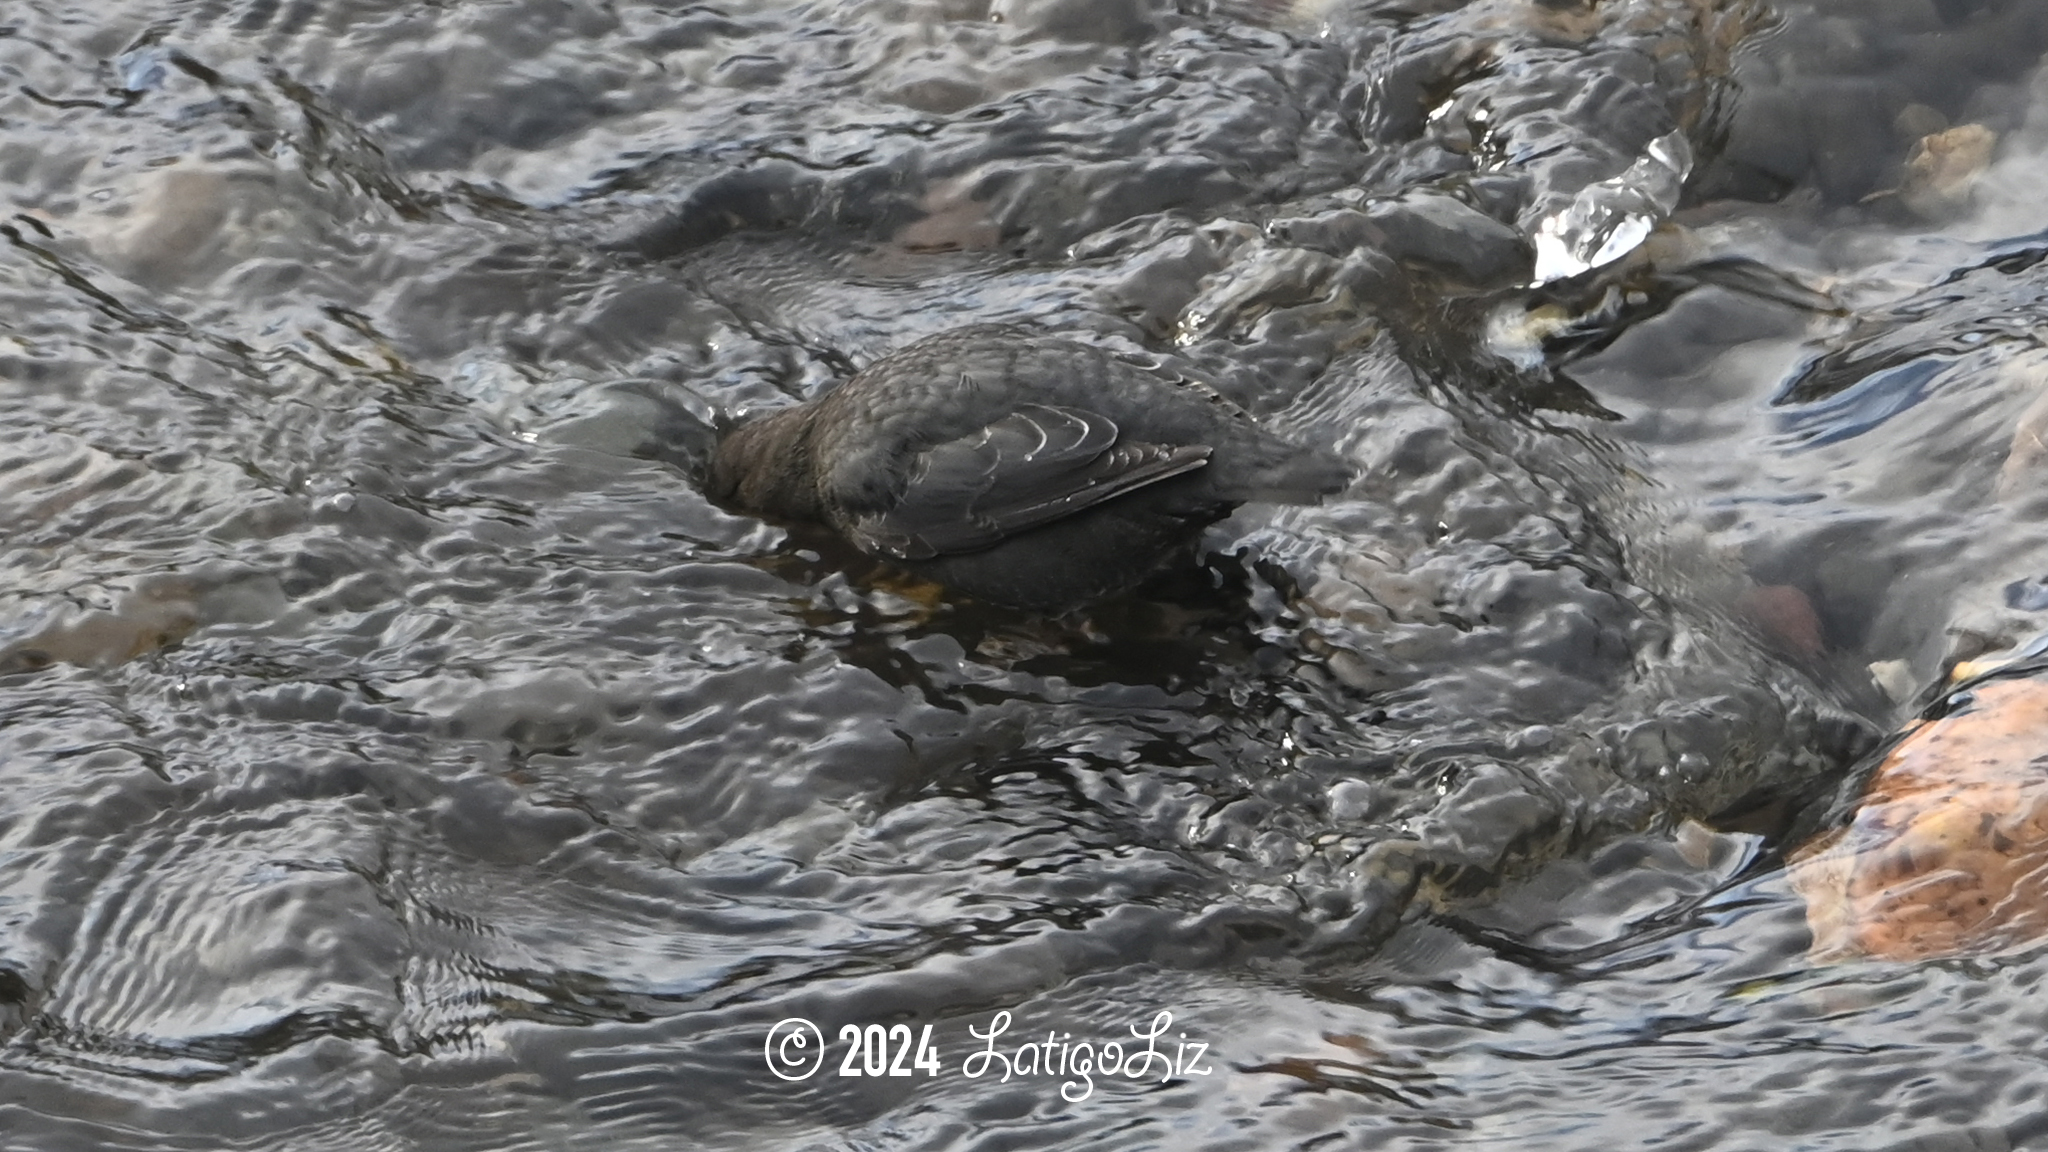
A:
(397, 750)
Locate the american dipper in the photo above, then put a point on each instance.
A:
(1025, 470)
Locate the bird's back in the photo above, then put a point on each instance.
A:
(959, 382)
(1028, 470)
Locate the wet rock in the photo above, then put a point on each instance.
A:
(157, 612)
(191, 221)
(1820, 97)
(1943, 169)
(1947, 851)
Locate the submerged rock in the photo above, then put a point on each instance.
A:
(1947, 854)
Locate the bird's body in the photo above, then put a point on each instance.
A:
(1026, 470)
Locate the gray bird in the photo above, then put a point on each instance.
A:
(1024, 470)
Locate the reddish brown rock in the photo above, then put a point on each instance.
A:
(1948, 853)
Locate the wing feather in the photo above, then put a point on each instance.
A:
(1034, 466)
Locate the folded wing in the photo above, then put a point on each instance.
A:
(1034, 466)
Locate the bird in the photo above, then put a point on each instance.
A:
(1019, 468)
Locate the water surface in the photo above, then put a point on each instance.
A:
(400, 751)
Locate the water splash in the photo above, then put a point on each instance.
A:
(1606, 221)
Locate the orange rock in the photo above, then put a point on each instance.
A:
(1948, 853)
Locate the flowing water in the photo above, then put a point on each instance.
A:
(397, 750)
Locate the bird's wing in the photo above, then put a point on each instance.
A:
(1031, 467)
